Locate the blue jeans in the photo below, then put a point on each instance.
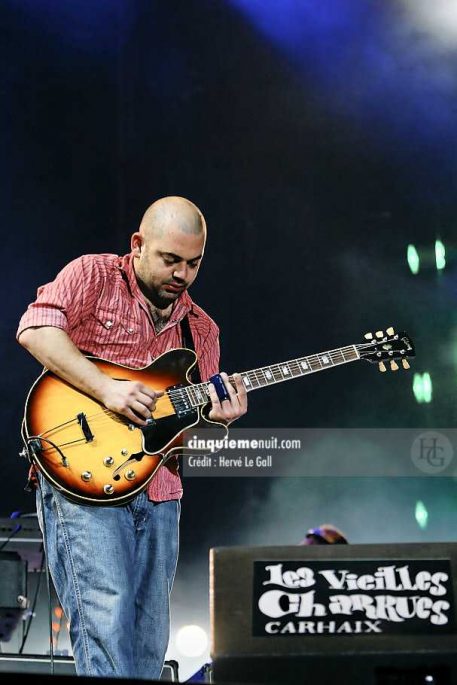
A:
(113, 568)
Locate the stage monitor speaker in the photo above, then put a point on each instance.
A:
(334, 613)
(37, 664)
(13, 592)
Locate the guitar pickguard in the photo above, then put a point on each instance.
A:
(158, 435)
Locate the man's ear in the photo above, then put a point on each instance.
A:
(136, 244)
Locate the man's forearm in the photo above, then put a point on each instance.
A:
(54, 349)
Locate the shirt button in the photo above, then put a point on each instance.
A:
(109, 324)
(129, 330)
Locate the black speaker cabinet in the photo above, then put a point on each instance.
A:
(13, 592)
(368, 614)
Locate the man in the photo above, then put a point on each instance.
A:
(113, 567)
(325, 534)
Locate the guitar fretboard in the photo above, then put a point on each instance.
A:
(277, 373)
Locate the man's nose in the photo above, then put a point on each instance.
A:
(180, 272)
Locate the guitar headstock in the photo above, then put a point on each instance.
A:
(386, 349)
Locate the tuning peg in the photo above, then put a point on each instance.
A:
(379, 334)
(394, 366)
(382, 367)
(390, 330)
(368, 336)
(405, 364)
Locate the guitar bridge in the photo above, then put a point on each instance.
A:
(85, 427)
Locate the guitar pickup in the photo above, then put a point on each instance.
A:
(85, 427)
(180, 400)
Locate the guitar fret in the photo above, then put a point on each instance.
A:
(295, 368)
(285, 370)
(315, 363)
(265, 377)
(354, 353)
(341, 358)
(304, 364)
(278, 372)
(258, 377)
(201, 393)
(246, 380)
(269, 375)
(191, 394)
(252, 380)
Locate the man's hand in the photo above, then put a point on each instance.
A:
(231, 409)
(131, 399)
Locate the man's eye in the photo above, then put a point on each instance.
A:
(193, 265)
(168, 262)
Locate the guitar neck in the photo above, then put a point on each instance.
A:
(284, 371)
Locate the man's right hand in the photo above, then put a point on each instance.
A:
(132, 399)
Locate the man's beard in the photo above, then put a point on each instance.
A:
(162, 298)
(158, 296)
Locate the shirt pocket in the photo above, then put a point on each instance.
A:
(116, 324)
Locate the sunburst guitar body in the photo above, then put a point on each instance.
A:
(95, 456)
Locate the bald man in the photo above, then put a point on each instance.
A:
(113, 567)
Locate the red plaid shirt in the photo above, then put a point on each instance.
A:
(97, 301)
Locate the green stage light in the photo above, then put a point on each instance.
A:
(421, 515)
(440, 255)
(423, 388)
(428, 388)
(412, 257)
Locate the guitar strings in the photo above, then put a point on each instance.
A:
(337, 356)
(294, 364)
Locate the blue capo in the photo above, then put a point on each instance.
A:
(221, 390)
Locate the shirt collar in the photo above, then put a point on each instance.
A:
(182, 306)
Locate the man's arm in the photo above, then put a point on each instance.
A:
(55, 350)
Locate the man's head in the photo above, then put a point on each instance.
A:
(168, 248)
(325, 534)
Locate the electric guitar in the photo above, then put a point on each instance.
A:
(95, 456)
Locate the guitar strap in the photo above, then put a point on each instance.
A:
(188, 341)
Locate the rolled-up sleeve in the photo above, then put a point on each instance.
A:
(67, 300)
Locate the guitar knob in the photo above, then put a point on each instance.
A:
(379, 334)
(394, 366)
(405, 364)
(86, 476)
(108, 489)
(368, 336)
(130, 475)
(382, 367)
(390, 330)
(108, 461)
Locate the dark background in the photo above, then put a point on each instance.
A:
(319, 140)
